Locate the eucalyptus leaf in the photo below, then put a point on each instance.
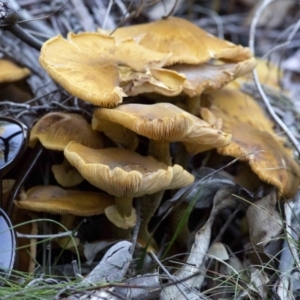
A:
(113, 266)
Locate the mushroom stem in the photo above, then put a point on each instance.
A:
(149, 205)
(181, 156)
(67, 221)
(122, 214)
(174, 220)
(161, 151)
(124, 206)
(193, 105)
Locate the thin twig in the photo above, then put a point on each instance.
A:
(107, 13)
(171, 12)
(287, 42)
(213, 15)
(227, 223)
(44, 236)
(25, 36)
(9, 19)
(82, 12)
(173, 278)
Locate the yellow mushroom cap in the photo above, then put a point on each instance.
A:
(55, 200)
(161, 121)
(180, 178)
(191, 80)
(88, 64)
(10, 72)
(252, 134)
(206, 78)
(119, 172)
(187, 42)
(165, 122)
(56, 129)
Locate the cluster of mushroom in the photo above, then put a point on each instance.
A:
(170, 60)
(103, 69)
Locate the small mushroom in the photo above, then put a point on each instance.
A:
(12, 83)
(162, 123)
(122, 173)
(56, 129)
(67, 203)
(10, 72)
(55, 200)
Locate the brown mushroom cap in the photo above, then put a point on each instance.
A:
(10, 72)
(192, 80)
(56, 129)
(241, 107)
(206, 78)
(191, 48)
(180, 178)
(118, 171)
(187, 42)
(162, 122)
(88, 65)
(252, 134)
(55, 200)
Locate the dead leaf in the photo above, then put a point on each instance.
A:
(113, 266)
(259, 281)
(91, 249)
(193, 267)
(264, 221)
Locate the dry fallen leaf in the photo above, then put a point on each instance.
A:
(264, 221)
(259, 281)
(112, 267)
(198, 253)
